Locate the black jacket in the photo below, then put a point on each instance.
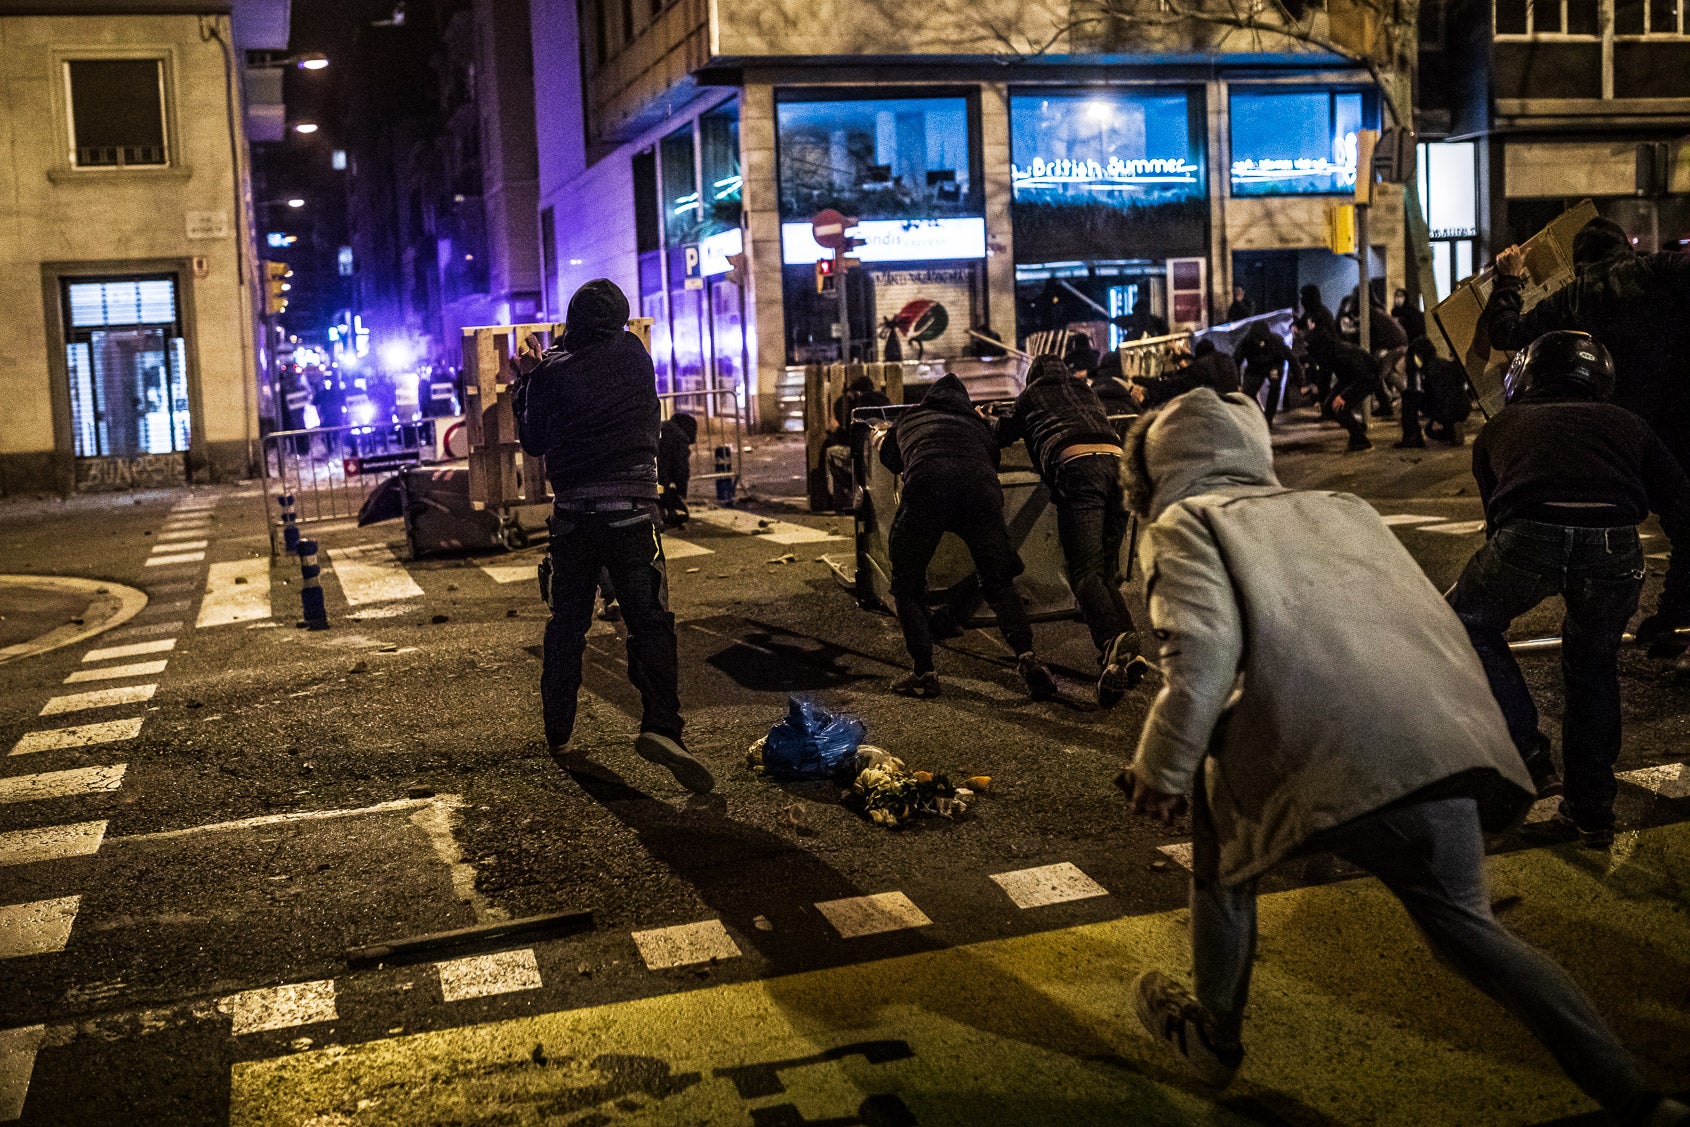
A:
(590, 407)
(1056, 411)
(674, 452)
(1215, 370)
(1536, 453)
(941, 437)
(1638, 308)
(1263, 348)
(1347, 363)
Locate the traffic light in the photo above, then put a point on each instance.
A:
(824, 276)
(275, 288)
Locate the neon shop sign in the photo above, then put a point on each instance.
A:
(1341, 172)
(1113, 175)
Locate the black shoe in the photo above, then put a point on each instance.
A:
(1172, 1016)
(1541, 767)
(666, 751)
(1123, 669)
(1358, 442)
(1564, 828)
(1040, 684)
(923, 686)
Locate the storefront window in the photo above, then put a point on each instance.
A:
(683, 212)
(876, 158)
(718, 141)
(1449, 201)
(1299, 142)
(1106, 173)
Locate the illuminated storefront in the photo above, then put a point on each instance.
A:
(906, 168)
(1108, 184)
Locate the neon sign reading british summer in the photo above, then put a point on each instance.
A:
(1113, 175)
(1340, 172)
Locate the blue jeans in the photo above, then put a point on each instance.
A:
(1431, 855)
(1599, 573)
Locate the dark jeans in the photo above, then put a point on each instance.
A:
(1599, 573)
(969, 504)
(1091, 522)
(626, 546)
(1273, 375)
(1431, 855)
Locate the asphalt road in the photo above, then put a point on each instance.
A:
(187, 858)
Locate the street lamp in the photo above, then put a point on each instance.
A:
(306, 127)
(313, 61)
(296, 202)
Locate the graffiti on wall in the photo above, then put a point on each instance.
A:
(136, 471)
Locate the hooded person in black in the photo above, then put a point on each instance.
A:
(1637, 306)
(590, 409)
(1264, 360)
(948, 456)
(1316, 324)
(674, 467)
(1355, 377)
(1070, 440)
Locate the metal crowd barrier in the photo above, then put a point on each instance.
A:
(330, 470)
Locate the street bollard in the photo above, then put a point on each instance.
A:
(310, 590)
(725, 465)
(290, 529)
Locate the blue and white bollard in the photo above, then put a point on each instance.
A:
(725, 465)
(290, 529)
(310, 590)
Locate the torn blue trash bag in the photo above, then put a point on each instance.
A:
(811, 743)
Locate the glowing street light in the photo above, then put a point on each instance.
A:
(313, 61)
(296, 202)
(306, 127)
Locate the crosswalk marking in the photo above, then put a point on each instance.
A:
(182, 533)
(114, 672)
(686, 945)
(51, 843)
(480, 976)
(870, 915)
(1408, 518)
(17, 1064)
(280, 1007)
(1179, 853)
(174, 558)
(61, 784)
(674, 549)
(370, 573)
(235, 591)
(134, 649)
(99, 698)
(39, 927)
(1455, 528)
(177, 545)
(767, 528)
(1048, 884)
(198, 526)
(1669, 780)
(510, 573)
(78, 735)
(149, 630)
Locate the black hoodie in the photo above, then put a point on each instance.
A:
(590, 407)
(940, 438)
(1055, 412)
(1636, 305)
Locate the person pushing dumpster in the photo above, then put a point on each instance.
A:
(1078, 454)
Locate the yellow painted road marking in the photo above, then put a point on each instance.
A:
(78, 735)
(36, 928)
(1351, 1021)
(280, 1007)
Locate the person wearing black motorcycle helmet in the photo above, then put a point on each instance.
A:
(1566, 477)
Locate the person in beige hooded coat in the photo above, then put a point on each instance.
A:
(1320, 696)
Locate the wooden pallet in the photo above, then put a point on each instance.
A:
(501, 475)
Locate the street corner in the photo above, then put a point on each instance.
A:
(42, 613)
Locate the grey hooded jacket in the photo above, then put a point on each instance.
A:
(1313, 674)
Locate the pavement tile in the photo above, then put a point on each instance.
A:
(477, 976)
(870, 915)
(1048, 884)
(686, 945)
(36, 928)
(280, 1007)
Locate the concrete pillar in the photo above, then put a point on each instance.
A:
(998, 190)
(762, 222)
(1219, 148)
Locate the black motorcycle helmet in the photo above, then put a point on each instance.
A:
(1560, 365)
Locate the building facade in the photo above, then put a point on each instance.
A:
(1551, 104)
(1013, 168)
(126, 257)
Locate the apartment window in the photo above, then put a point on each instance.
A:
(718, 142)
(116, 113)
(548, 260)
(648, 211)
(1552, 17)
(1649, 17)
(683, 212)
